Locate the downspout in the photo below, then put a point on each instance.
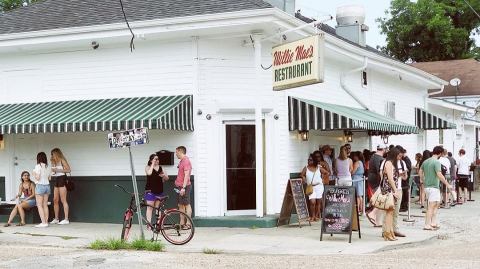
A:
(437, 92)
(344, 86)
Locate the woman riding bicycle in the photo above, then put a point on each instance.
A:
(154, 187)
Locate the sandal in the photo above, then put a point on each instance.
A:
(7, 224)
(20, 224)
(436, 227)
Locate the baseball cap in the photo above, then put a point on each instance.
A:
(379, 147)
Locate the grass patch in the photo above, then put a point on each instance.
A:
(253, 227)
(117, 244)
(68, 237)
(211, 251)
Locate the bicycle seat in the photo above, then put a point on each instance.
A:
(161, 198)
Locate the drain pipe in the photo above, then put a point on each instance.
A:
(437, 92)
(344, 86)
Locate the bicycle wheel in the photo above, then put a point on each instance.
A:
(173, 230)
(127, 224)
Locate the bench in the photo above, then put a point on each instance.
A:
(31, 215)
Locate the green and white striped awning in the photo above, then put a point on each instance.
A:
(427, 121)
(159, 112)
(311, 115)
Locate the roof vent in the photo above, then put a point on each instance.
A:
(350, 19)
(350, 14)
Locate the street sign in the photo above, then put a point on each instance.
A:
(128, 138)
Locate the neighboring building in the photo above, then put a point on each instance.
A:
(457, 103)
(194, 79)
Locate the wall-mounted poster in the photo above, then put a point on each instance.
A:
(128, 138)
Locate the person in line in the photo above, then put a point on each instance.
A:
(41, 177)
(154, 186)
(348, 147)
(312, 174)
(390, 184)
(445, 166)
(27, 189)
(425, 156)
(60, 168)
(463, 175)
(357, 178)
(453, 178)
(344, 168)
(327, 153)
(374, 176)
(183, 182)
(431, 174)
(405, 183)
(402, 175)
(414, 177)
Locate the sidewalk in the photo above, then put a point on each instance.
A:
(282, 240)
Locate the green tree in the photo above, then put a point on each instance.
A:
(430, 30)
(6, 5)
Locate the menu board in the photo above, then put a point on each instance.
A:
(339, 211)
(294, 196)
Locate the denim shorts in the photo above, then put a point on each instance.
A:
(42, 189)
(30, 202)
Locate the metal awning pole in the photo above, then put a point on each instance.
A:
(135, 191)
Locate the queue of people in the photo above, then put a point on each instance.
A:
(436, 174)
(36, 191)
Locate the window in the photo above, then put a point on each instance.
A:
(364, 79)
(390, 109)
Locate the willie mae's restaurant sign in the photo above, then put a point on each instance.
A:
(298, 63)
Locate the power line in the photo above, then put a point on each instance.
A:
(132, 45)
(471, 8)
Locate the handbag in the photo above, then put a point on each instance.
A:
(69, 184)
(382, 199)
(309, 188)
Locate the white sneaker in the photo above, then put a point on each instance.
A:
(54, 221)
(64, 222)
(41, 225)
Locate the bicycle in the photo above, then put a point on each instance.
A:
(174, 225)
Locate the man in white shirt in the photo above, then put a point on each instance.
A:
(445, 162)
(463, 175)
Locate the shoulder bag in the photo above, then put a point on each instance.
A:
(69, 184)
(382, 199)
(309, 188)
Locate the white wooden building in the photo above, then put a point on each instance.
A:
(243, 145)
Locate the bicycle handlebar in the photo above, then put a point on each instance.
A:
(123, 189)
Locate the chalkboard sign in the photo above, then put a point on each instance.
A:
(340, 211)
(294, 196)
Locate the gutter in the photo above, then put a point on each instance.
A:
(344, 86)
(437, 92)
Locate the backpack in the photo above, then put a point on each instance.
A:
(444, 170)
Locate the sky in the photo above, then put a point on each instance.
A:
(374, 9)
(318, 9)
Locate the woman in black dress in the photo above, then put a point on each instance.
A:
(154, 187)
